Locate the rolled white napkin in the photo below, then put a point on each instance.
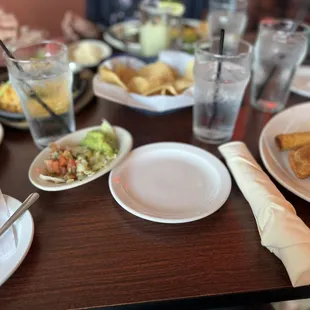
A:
(281, 230)
(7, 240)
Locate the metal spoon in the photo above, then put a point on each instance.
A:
(29, 201)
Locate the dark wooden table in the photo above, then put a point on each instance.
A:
(89, 252)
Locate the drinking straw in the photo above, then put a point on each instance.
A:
(33, 94)
(217, 81)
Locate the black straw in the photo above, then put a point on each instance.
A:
(218, 75)
(32, 92)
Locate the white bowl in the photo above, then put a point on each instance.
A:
(104, 48)
(125, 144)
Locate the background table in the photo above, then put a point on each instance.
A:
(89, 252)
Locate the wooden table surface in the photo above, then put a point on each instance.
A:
(89, 252)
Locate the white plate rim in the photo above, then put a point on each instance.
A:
(134, 47)
(1, 133)
(107, 50)
(21, 253)
(297, 90)
(224, 176)
(64, 186)
(265, 161)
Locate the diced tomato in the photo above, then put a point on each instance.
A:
(56, 166)
(48, 164)
(62, 161)
(38, 170)
(63, 170)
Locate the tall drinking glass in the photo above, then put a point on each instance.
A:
(41, 76)
(218, 92)
(278, 51)
(231, 15)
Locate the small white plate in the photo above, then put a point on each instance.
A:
(276, 162)
(105, 50)
(1, 133)
(301, 82)
(170, 183)
(125, 145)
(24, 230)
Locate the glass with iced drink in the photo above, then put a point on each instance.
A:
(158, 19)
(218, 94)
(41, 76)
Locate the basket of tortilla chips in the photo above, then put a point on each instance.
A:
(160, 86)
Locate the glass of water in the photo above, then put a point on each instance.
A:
(277, 53)
(219, 85)
(231, 15)
(41, 76)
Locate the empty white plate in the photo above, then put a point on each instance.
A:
(276, 162)
(301, 81)
(170, 183)
(24, 230)
(124, 142)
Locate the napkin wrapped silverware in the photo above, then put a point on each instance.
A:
(280, 229)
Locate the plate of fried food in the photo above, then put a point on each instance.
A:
(158, 87)
(284, 147)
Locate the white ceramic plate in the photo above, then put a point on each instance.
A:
(113, 34)
(24, 230)
(276, 162)
(105, 50)
(1, 133)
(125, 145)
(170, 183)
(301, 82)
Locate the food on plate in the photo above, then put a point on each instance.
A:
(66, 164)
(125, 73)
(153, 79)
(85, 53)
(111, 77)
(181, 84)
(9, 100)
(158, 70)
(139, 85)
(299, 160)
(292, 140)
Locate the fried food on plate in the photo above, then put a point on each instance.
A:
(9, 100)
(292, 140)
(153, 79)
(107, 75)
(138, 85)
(125, 73)
(159, 70)
(182, 84)
(299, 160)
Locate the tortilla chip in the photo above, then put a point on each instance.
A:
(170, 90)
(124, 72)
(181, 84)
(111, 77)
(157, 70)
(138, 85)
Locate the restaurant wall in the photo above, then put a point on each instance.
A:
(43, 13)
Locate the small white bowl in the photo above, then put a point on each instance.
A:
(104, 49)
(125, 144)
